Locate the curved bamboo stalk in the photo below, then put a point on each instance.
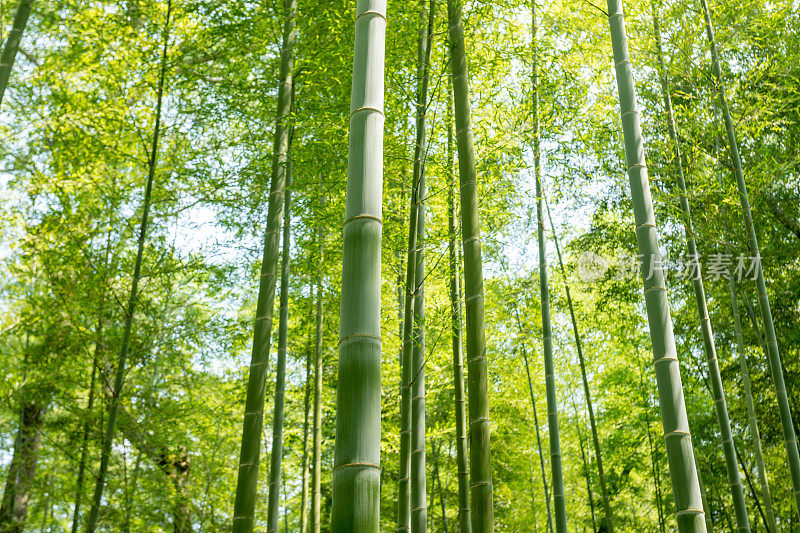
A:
(482, 510)
(11, 47)
(685, 485)
(250, 454)
(789, 438)
(133, 298)
(356, 463)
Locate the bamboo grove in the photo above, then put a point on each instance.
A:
(439, 265)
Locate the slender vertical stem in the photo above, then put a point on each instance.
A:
(250, 454)
(746, 471)
(789, 438)
(356, 468)
(414, 275)
(306, 411)
(133, 298)
(685, 485)
(704, 499)
(276, 456)
(709, 347)
(316, 494)
(586, 472)
(464, 523)
(482, 510)
(11, 47)
(86, 433)
(601, 475)
(559, 498)
(419, 512)
(653, 454)
(745, 374)
(535, 423)
(438, 481)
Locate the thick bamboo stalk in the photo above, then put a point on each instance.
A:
(683, 472)
(133, 297)
(356, 468)
(464, 523)
(250, 454)
(482, 511)
(276, 455)
(11, 47)
(789, 439)
(709, 346)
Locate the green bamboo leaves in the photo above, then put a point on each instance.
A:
(482, 511)
(685, 485)
(709, 347)
(247, 480)
(11, 47)
(789, 439)
(356, 469)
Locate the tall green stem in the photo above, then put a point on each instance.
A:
(709, 347)
(464, 523)
(653, 456)
(276, 456)
(559, 499)
(789, 439)
(683, 472)
(419, 512)
(316, 494)
(249, 457)
(356, 469)
(609, 516)
(133, 297)
(586, 472)
(745, 374)
(438, 482)
(482, 511)
(11, 47)
(304, 467)
(535, 422)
